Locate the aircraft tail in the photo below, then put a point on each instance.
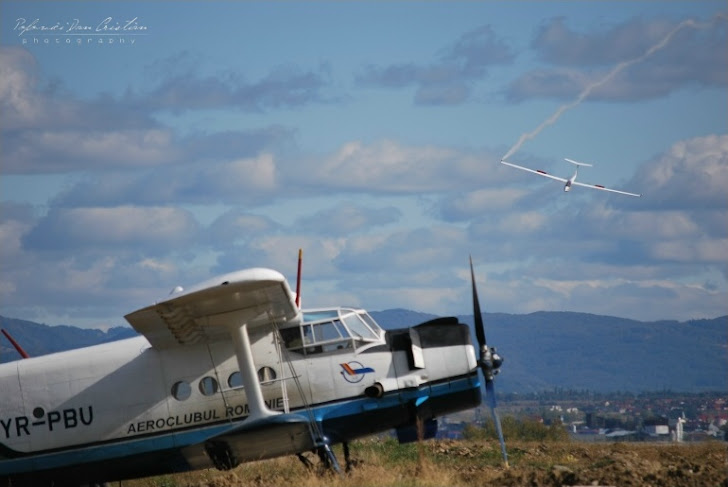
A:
(577, 163)
(15, 344)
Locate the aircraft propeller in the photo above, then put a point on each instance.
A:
(489, 362)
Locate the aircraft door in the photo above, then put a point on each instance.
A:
(321, 386)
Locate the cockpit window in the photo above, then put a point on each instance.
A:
(369, 321)
(357, 326)
(318, 315)
(330, 330)
(327, 330)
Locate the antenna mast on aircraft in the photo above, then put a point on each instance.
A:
(298, 279)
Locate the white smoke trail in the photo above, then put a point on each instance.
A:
(616, 70)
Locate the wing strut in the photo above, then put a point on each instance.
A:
(256, 404)
(241, 342)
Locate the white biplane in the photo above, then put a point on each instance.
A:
(568, 182)
(229, 371)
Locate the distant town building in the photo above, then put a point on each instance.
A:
(656, 426)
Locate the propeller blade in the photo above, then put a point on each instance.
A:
(489, 363)
(490, 392)
(477, 316)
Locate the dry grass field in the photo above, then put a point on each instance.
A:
(383, 463)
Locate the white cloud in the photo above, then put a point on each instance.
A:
(425, 299)
(65, 150)
(389, 166)
(650, 58)
(199, 181)
(46, 131)
(157, 266)
(347, 218)
(11, 232)
(120, 227)
(258, 173)
(319, 254)
(77, 280)
(448, 80)
(236, 224)
(691, 175)
(17, 80)
(472, 204)
(694, 250)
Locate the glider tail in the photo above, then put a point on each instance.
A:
(576, 163)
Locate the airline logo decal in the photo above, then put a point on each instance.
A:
(354, 371)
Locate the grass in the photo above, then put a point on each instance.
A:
(382, 462)
(549, 461)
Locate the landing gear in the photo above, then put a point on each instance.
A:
(221, 455)
(328, 462)
(347, 458)
(326, 454)
(306, 462)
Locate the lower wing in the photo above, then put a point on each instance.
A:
(539, 172)
(599, 186)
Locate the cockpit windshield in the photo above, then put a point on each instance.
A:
(329, 330)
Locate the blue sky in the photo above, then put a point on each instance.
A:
(213, 136)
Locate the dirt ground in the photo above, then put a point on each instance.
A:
(612, 464)
(463, 463)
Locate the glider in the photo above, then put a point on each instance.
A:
(570, 181)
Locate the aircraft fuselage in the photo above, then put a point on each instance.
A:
(125, 409)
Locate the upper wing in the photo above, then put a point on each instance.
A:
(255, 297)
(599, 186)
(539, 172)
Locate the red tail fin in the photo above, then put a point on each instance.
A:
(16, 345)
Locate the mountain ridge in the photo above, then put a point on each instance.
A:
(543, 350)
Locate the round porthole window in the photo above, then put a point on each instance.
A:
(181, 390)
(208, 386)
(235, 381)
(266, 375)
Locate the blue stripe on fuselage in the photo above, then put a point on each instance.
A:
(180, 439)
